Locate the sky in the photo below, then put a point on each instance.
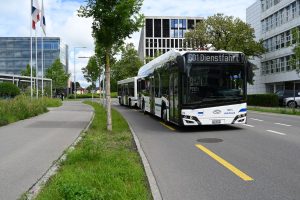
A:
(62, 21)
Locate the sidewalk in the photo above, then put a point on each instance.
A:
(28, 148)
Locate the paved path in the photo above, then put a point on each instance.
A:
(28, 148)
(267, 150)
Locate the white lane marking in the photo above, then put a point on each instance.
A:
(276, 132)
(282, 124)
(248, 125)
(260, 120)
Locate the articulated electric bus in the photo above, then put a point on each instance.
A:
(195, 87)
(127, 92)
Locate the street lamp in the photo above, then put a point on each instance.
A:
(75, 91)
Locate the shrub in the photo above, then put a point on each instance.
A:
(23, 107)
(267, 100)
(9, 90)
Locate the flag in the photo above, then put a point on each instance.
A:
(35, 12)
(43, 20)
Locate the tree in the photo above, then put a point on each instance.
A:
(58, 75)
(92, 71)
(127, 66)
(113, 22)
(197, 38)
(225, 33)
(27, 71)
(295, 60)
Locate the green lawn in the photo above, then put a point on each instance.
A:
(278, 110)
(104, 165)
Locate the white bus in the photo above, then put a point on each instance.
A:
(127, 92)
(195, 87)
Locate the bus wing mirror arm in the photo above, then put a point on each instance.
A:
(180, 62)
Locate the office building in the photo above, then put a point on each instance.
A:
(161, 34)
(15, 53)
(273, 21)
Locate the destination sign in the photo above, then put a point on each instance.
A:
(213, 58)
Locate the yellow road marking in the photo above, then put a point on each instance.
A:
(226, 164)
(169, 127)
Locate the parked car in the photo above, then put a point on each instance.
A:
(292, 102)
(282, 94)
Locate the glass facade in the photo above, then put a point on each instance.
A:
(15, 53)
(161, 34)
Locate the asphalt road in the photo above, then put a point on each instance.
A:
(28, 148)
(267, 151)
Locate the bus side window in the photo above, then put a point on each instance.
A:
(157, 85)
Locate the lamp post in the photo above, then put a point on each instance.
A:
(75, 91)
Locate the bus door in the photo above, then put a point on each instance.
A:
(126, 94)
(173, 101)
(152, 95)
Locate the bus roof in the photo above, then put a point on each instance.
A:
(171, 55)
(127, 80)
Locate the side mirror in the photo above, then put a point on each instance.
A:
(180, 62)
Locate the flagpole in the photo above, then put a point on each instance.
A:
(42, 25)
(36, 66)
(31, 91)
(42, 65)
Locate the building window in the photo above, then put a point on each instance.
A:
(166, 28)
(191, 24)
(149, 28)
(277, 65)
(293, 10)
(287, 63)
(282, 40)
(282, 66)
(157, 28)
(287, 13)
(288, 38)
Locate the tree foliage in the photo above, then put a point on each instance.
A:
(113, 22)
(58, 75)
(225, 33)
(27, 71)
(127, 66)
(8, 90)
(295, 60)
(92, 71)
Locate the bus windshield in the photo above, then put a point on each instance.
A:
(209, 84)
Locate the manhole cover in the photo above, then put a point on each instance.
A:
(210, 140)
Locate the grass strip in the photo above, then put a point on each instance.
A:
(22, 107)
(278, 110)
(104, 165)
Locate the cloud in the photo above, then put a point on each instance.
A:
(62, 20)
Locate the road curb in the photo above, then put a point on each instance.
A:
(274, 114)
(151, 178)
(36, 187)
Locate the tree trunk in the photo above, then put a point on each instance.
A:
(99, 84)
(107, 80)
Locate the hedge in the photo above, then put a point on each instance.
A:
(8, 90)
(267, 100)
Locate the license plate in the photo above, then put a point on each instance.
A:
(216, 121)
